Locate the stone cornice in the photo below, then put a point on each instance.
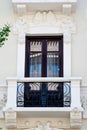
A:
(24, 6)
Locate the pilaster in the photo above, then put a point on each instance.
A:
(21, 55)
(11, 94)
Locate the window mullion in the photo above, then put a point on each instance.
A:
(44, 58)
(61, 57)
(27, 58)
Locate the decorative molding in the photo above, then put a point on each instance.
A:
(75, 118)
(10, 118)
(3, 96)
(20, 26)
(46, 126)
(84, 105)
(21, 9)
(34, 5)
(67, 9)
(44, 18)
(45, 22)
(3, 100)
(46, 123)
(43, 126)
(83, 92)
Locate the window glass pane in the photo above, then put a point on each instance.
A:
(52, 45)
(35, 58)
(52, 59)
(35, 45)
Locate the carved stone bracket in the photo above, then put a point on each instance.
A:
(67, 9)
(75, 118)
(21, 9)
(10, 118)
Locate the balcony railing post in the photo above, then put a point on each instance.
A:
(11, 96)
(75, 93)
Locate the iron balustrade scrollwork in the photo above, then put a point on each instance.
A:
(67, 94)
(39, 94)
(20, 94)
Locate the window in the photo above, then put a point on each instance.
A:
(44, 56)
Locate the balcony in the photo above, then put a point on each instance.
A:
(23, 6)
(43, 96)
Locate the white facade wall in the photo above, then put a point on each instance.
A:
(8, 53)
(79, 42)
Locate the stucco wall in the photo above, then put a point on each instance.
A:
(8, 53)
(79, 42)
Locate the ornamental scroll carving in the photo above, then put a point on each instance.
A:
(46, 19)
(3, 96)
(84, 105)
(43, 127)
(46, 123)
(84, 100)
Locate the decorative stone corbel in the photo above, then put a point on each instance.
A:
(75, 118)
(21, 9)
(10, 118)
(67, 9)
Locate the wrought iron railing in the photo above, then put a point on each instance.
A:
(44, 94)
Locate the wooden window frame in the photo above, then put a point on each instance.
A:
(44, 54)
